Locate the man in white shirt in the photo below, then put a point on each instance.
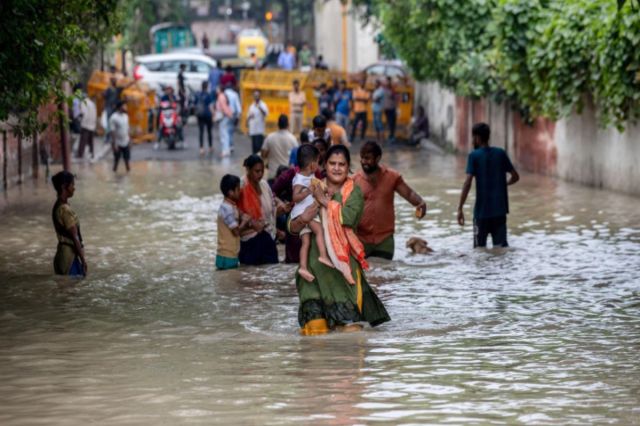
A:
(256, 118)
(88, 119)
(236, 107)
(119, 130)
(278, 146)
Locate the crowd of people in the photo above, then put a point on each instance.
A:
(298, 190)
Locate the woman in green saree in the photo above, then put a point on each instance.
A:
(330, 302)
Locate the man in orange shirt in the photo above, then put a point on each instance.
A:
(379, 185)
(338, 133)
(361, 98)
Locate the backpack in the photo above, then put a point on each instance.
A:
(201, 105)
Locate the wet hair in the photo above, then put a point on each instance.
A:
(322, 141)
(296, 81)
(205, 84)
(306, 154)
(281, 169)
(481, 130)
(120, 104)
(304, 136)
(283, 121)
(252, 160)
(339, 149)
(229, 183)
(62, 179)
(183, 66)
(371, 147)
(227, 68)
(319, 121)
(327, 114)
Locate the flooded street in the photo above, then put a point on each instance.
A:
(546, 332)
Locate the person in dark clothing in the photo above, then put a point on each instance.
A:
(182, 91)
(489, 165)
(204, 113)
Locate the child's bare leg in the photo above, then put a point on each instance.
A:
(316, 227)
(304, 258)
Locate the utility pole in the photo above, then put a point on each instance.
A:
(345, 42)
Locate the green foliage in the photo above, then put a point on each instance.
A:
(547, 56)
(37, 38)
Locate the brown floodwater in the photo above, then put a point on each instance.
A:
(545, 332)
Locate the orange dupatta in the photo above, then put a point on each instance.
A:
(343, 239)
(249, 201)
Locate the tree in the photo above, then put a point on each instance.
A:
(545, 56)
(37, 38)
(140, 15)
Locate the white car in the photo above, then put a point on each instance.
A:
(161, 70)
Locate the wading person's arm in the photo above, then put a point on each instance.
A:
(412, 196)
(77, 245)
(513, 177)
(466, 187)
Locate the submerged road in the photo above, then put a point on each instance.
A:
(546, 332)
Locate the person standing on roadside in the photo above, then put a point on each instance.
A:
(119, 128)
(361, 98)
(344, 102)
(325, 101)
(228, 79)
(304, 58)
(182, 92)
(88, 122)
(489, 165)
(69, 259)
(377, 109)
(286, 59)
(236, 109)
(390, 106)
(297, 102)
(256, 118)
(204, 114)
(214, 80)
(224, 119)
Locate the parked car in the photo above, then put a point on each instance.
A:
(393, 69)
(161, 70)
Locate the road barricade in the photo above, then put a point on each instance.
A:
(140, 99)
(275, 85)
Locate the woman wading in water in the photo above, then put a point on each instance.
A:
(330, 302)
(69, 259)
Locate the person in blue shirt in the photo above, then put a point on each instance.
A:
(343, 101)
(489, 166)
(214, 80)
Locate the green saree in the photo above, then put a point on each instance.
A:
(330, 296)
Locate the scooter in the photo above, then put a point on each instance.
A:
(170, 123)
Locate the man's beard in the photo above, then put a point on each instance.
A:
(370, 169)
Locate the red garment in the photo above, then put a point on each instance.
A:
(249, 202)
(228, 79)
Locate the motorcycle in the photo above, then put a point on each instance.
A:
(169, 125)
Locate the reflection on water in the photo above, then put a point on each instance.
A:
(545, 332)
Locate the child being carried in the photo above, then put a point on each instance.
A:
(308, 163)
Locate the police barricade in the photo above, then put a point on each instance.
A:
(275, 85)
(140, 99)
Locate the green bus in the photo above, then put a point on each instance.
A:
(170, 35)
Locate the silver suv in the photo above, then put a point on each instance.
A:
(161, 70)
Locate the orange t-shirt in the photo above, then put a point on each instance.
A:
(338, 134)
(378, 217)
(360, 98)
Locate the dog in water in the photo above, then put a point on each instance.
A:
(419, 246)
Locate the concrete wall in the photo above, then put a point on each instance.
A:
(574, 148)
(362, 50)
